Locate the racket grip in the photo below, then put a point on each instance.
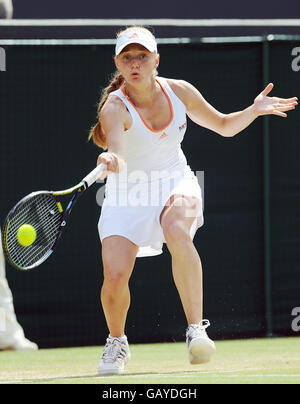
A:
(93, 176)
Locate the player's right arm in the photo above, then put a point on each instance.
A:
(114, 121)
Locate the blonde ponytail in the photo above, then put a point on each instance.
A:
(96, 132)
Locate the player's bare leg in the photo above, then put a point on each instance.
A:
(176, 221)
(118, 255)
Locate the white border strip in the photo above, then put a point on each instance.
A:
(155, 22)
(160, 41)
(166, 41)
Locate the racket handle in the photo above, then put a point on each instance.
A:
(93, 176)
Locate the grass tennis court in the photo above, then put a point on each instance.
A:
(255, 361)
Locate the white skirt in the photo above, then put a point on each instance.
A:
(138, 219)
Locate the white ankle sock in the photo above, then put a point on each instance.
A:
(122, 339)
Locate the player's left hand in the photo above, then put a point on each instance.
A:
(264, 105)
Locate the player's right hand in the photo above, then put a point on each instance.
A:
(112, 162)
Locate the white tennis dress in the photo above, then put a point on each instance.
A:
(156, 168)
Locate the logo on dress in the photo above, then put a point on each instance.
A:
(182, 126)
(163, 135)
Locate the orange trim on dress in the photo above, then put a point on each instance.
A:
(144, 122)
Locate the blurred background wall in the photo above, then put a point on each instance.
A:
(155, 9)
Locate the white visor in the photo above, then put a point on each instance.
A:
(139, 37)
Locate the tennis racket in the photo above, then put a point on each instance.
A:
(44, 212)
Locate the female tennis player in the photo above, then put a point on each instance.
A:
(142, 122)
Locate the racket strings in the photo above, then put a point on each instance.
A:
(41, 212)
(27, 256)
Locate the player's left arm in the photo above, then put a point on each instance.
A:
(228, 125)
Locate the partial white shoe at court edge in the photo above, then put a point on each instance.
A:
(21, 344)
(115, 356)
(200, 347)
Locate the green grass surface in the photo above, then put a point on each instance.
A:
(255, 361)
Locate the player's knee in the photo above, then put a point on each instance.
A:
(176, 232)
(116, 277)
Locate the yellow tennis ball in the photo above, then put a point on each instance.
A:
(26, 235)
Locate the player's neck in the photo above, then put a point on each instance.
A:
(143, 94)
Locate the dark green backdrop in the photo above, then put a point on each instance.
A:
(47, 105)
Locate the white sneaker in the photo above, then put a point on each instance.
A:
(200, 346)
(20, 345)
(115, 356)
